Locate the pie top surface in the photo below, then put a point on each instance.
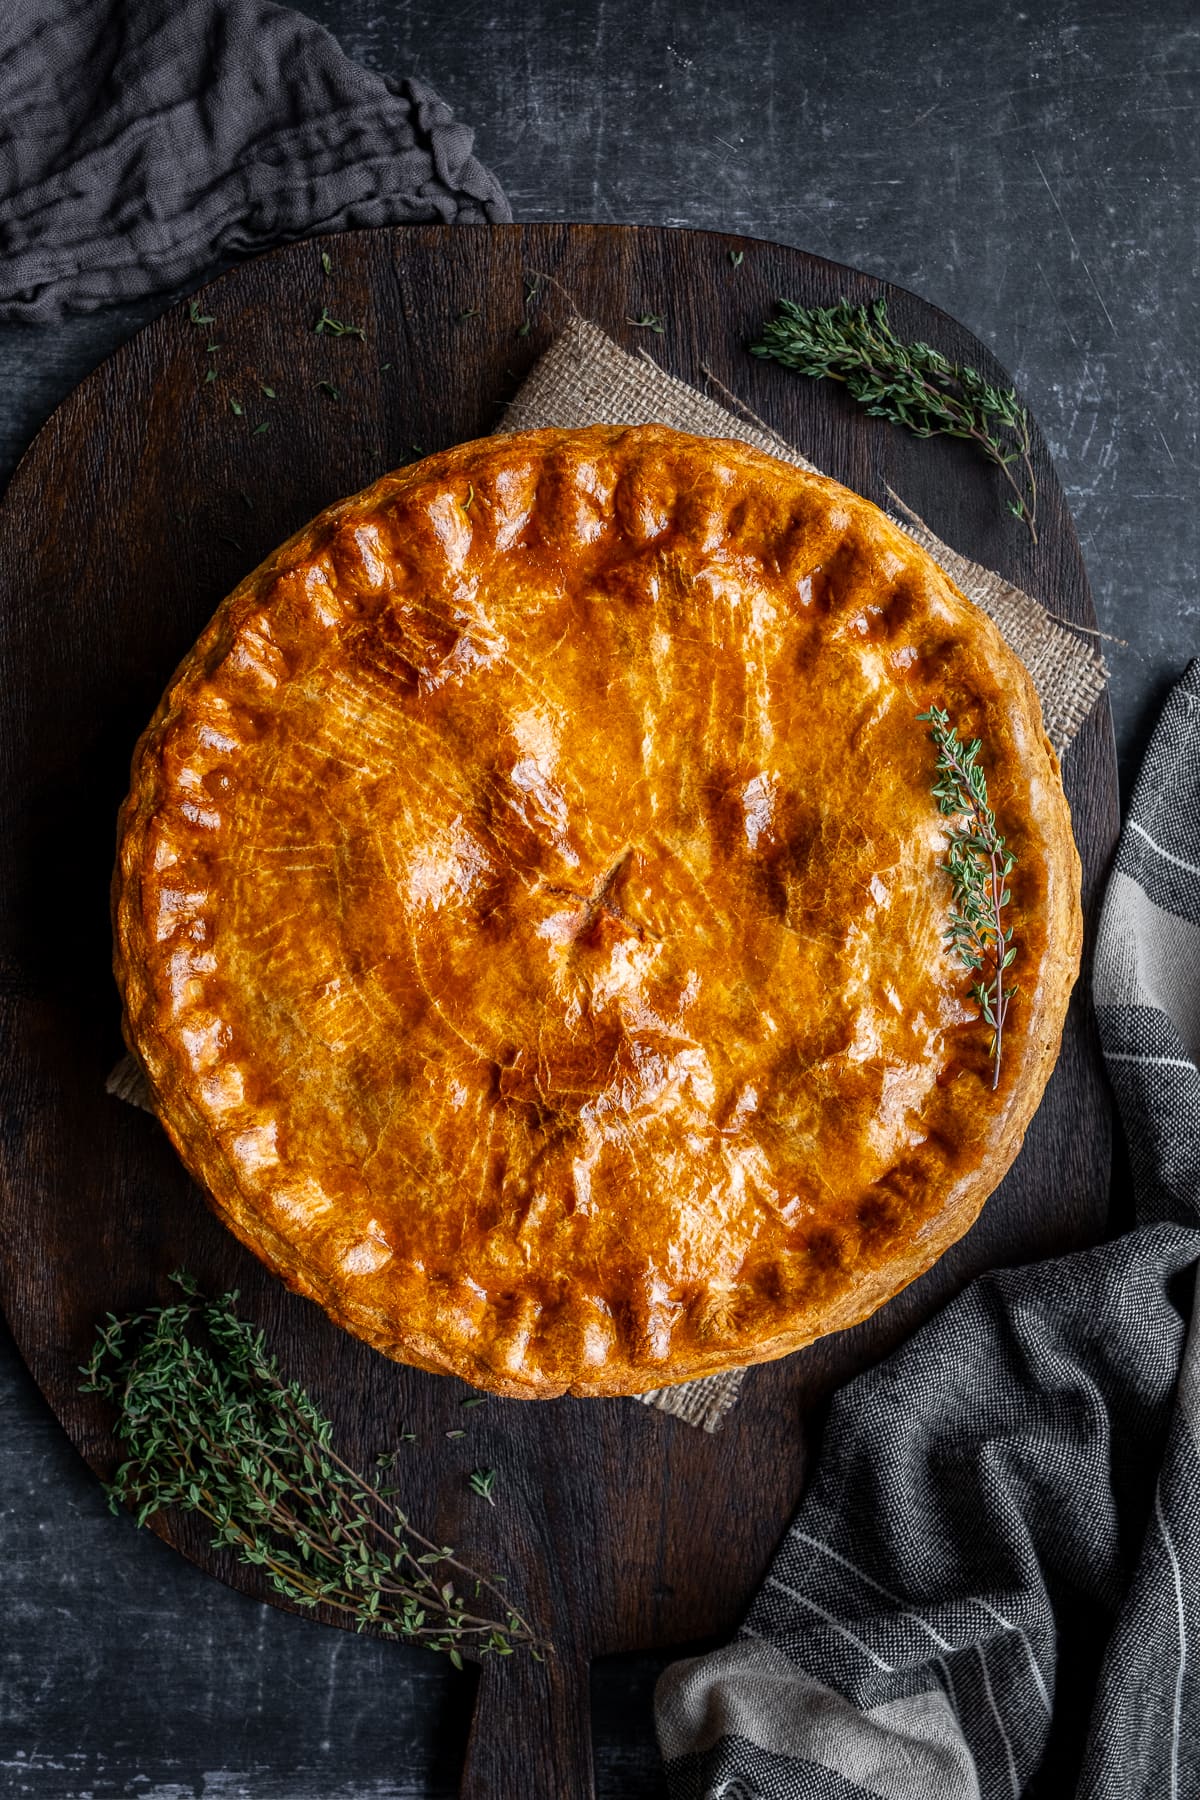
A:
(531, 918)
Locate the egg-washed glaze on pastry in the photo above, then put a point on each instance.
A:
(530, 913)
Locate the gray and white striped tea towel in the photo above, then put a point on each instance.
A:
(992, 1588)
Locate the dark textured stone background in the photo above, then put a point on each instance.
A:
(1036, 173)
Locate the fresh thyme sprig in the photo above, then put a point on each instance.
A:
(912, 384)
(978, 866)
(210, 1426)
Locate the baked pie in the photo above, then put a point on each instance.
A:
(531, 911)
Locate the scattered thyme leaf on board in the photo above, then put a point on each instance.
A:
(912, 384)
(482, 1483)
(202, 321)
(208, 1425)
(337, 327)
(978, 865)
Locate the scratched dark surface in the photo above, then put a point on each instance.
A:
(1036, 175)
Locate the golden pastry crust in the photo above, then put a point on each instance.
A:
(530, 916)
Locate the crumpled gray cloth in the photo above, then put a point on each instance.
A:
(142, 141)
(992, 1587)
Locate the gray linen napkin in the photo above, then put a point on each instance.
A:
(144, 140)
(1006, 1509)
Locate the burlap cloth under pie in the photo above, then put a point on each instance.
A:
(586, 379)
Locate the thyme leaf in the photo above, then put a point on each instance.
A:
(337, 327)
(649, 322)
(208, 1425)
(912, 384)
(482, 1483)
(978, 865)
(201, 321)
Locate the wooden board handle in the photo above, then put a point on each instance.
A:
(531, 1734)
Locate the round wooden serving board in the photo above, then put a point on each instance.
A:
(141, 503)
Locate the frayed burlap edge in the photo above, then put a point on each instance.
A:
(127, 1082)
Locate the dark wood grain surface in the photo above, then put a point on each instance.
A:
(139, 506)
